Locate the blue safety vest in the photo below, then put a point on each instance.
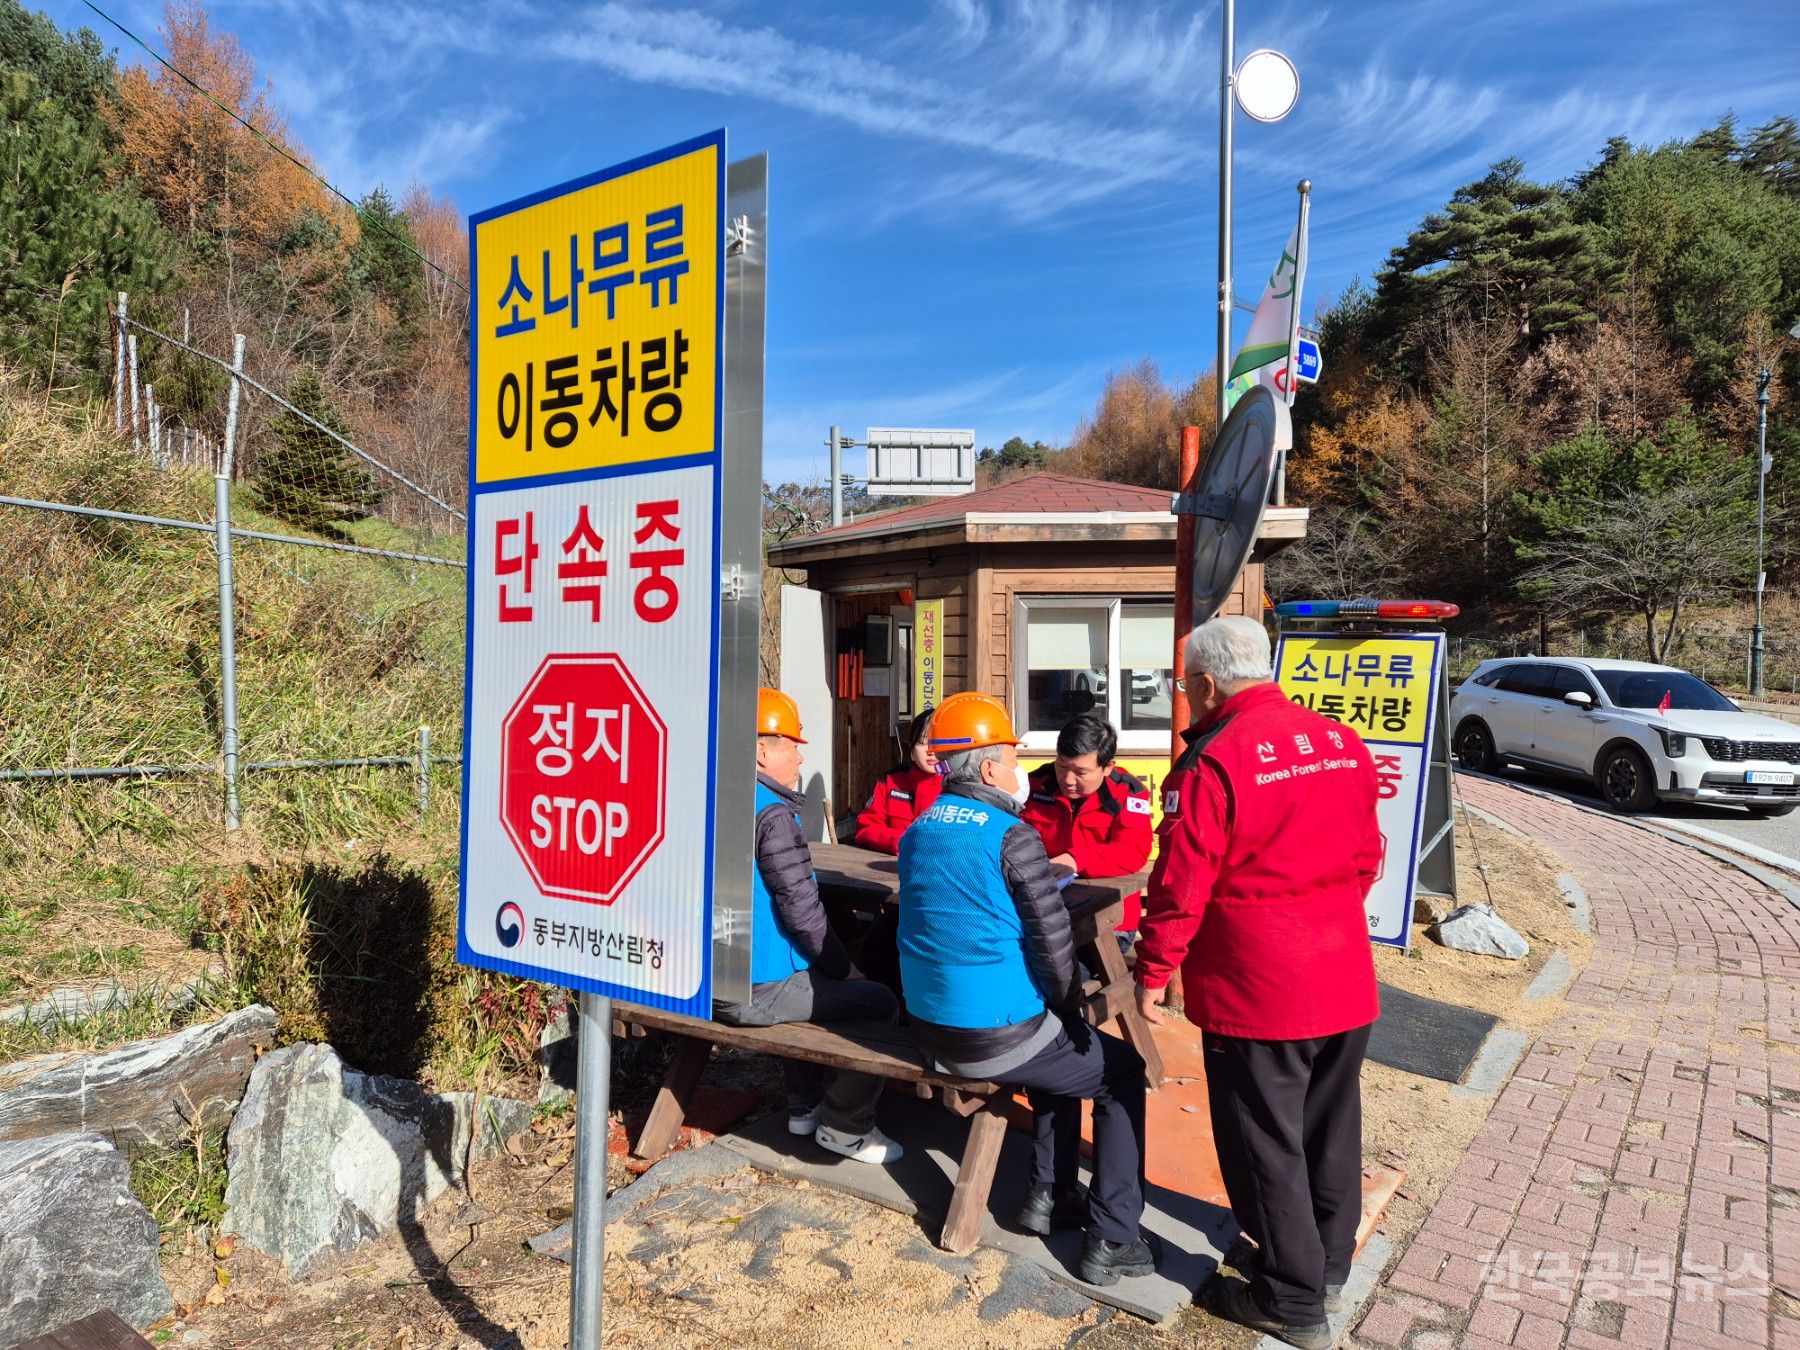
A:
(962, 943)
(773, 955)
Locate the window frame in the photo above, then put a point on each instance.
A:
(1131, 742)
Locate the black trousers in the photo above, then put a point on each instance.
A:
(1287, 1123)
(1085, 1063)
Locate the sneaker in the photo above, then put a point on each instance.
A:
(803, 1123)
(1334, 1298)
(1103, 1262)
(1046, 1208)
(873, 1147)
(1232, 1301)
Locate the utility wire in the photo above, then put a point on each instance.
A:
(274, 145)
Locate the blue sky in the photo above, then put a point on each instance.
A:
(979, 207)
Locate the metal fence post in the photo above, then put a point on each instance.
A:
(424, 770)
(132, 368)
(227, 600)
(119, 371)
(153, 424)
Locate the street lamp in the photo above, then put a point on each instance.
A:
(1762, 478)
(1266, 86)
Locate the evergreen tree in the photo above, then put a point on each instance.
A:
(1502, 239)
(72, 232)
(306, 476)
(383, 265)
(1773, 154)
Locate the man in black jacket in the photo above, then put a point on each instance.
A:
(799, 970)
(994, 992)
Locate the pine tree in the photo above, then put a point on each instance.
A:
(306, 476)
(72, 231)
(1502, 239)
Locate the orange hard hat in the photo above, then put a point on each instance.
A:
(968, 722)
(777, 715)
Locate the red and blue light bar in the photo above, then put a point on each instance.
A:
(1367, 609)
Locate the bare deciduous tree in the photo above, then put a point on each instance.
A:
(1654, 552)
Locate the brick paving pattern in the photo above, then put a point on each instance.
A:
(1637, 1182)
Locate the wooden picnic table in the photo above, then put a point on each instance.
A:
(1096, 904)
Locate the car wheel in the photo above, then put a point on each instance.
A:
(1475, 746)
(1626, 781)
(1767, 812)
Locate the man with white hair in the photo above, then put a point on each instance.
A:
(1269, 845)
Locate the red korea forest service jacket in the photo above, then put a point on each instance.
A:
(1107, 832)
(899, 798)
(1269, 847)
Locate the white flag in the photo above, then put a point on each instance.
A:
(1266, 357)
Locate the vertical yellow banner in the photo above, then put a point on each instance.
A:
(928, 654)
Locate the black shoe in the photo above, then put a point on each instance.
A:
(1232, 1300)
(1102, 1262)
(1046, 1209)
(1247, 1258)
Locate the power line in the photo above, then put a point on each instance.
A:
(274, 145)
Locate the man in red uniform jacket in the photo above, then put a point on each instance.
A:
(1092, 816)
(1269, 847)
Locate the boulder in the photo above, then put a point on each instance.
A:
(1477, 929)
(73, 1238)
(557, 1053)
(142, 1095)
(1429, 907)
(321, 1157)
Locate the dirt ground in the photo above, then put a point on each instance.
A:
(750, 1260)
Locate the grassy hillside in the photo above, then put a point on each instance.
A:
(335, 900)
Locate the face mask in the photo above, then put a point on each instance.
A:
(1022, 792)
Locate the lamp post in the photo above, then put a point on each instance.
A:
(1266, 86)
(1762, 479)
(1763, 465)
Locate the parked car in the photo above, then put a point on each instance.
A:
(1642, 733)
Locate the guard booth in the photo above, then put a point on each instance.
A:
(1052, 592)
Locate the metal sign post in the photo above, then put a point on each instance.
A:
(607, 792)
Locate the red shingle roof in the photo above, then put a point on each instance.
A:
(1038, 492)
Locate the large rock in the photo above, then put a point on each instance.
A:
(144, 1094)
(1477, 929)
(73, 1238)
(321, 1157)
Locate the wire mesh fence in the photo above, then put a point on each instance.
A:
(167, 615)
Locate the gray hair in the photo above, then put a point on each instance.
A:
(1233, 651)
(962, 768)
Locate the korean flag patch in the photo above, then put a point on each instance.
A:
(1172, 802)
(1139, 805)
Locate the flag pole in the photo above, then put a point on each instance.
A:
(1293, 356)
(1227, 41)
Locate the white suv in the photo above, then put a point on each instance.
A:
(1642, 733)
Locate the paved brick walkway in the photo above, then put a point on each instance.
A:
(1638, 1181)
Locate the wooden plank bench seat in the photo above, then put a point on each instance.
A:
(885, 1051)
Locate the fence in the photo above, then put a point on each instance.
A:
(411, 616)
(1718, 658)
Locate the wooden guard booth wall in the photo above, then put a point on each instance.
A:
(1007, 561)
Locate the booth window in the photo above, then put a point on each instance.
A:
(1092, 655)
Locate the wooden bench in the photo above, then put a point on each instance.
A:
(884, 1051)
(871, 881)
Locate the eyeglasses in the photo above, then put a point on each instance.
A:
(1182, 684)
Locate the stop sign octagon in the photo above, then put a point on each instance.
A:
(583, 774)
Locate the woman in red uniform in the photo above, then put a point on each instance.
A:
(905, 792)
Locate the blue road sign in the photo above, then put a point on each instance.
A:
(1308, 361)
